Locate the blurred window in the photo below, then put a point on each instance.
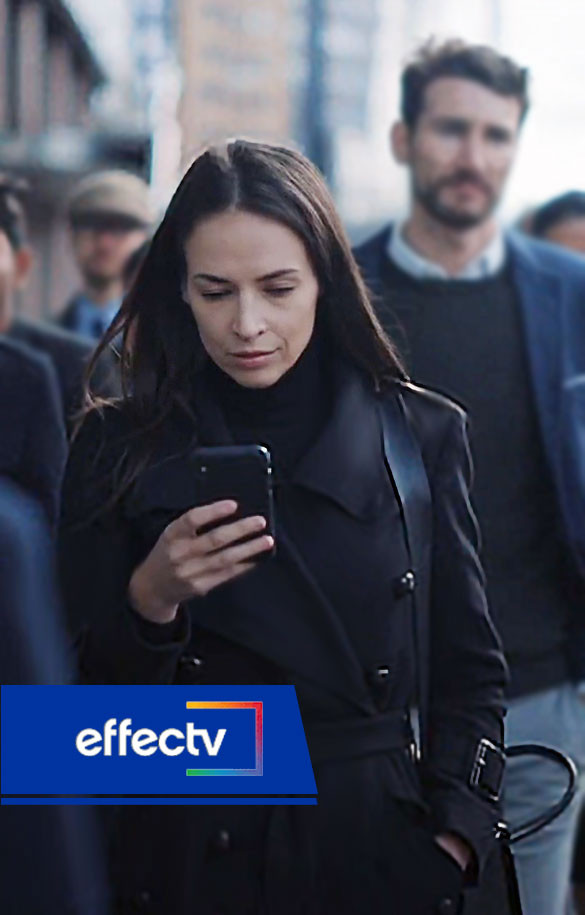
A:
(260, 21)
(213, 92)
(226, 15)
(347, 39)
(151, 8)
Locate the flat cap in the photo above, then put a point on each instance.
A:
(115, 193)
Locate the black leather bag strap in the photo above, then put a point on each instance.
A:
(407, 472)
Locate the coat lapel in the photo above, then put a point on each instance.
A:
(346, 463)
(540, 294)
(279, 610)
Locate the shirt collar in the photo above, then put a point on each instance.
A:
(489, 262)
(107, 312)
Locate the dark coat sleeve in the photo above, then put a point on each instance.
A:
(70, 355)
(98, 552)
(32, 436)
(44, 446)
(468, 674)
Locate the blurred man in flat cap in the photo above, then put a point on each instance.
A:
(69, 353)
(110, 215)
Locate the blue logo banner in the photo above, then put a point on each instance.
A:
(152, 740)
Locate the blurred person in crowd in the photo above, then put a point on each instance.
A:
(50, 857)
(68, 352)
(251, 324)
(51, 861)
(33, 446)
(497, 321)
(109, 215)
(562, 221)
(32, 636)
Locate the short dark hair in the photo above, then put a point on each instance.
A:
(566, 206)
(456, 58)
(12, 215)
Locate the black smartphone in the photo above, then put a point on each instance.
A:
(242, 473)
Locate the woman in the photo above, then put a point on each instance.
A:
(251, 325)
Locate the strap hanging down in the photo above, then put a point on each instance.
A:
(407, 472)
(478, 762)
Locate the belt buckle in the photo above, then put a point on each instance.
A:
(484, 749)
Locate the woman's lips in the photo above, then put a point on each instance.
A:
(252, 359)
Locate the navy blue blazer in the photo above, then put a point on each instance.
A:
(550, 283)
(33, 446)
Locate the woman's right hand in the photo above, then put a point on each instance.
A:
(185, 564)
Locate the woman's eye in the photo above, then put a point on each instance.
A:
(215, 295)
(280, 290)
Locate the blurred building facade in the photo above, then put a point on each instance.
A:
(334, 73)
(283, 70)
(234, 59)
(49, 132)
(143, 84)
(49, 74)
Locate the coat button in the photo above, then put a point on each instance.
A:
(221, 842)
(446, 907)
(380, 681)
(191, 661)
(405, 584)
(381, 674)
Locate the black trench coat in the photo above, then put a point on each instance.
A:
(368, 845)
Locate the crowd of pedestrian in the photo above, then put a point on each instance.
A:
(245, 317)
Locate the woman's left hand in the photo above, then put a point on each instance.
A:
(456, 847)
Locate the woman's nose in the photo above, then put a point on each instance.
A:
(248, 321)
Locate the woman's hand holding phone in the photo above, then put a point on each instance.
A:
(185, 563)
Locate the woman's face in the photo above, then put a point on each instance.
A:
(253, 293)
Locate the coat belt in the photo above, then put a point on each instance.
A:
(355, 737)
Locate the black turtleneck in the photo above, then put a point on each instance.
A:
(285, 417)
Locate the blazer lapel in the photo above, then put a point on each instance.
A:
(540, 294)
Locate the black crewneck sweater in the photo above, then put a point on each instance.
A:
(465, 339)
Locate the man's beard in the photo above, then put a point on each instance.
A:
(96, 280)
(430, 199)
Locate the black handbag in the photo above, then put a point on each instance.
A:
(498, 891)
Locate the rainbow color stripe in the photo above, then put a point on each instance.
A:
(257, 706)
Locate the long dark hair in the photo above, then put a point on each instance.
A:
(161, 349)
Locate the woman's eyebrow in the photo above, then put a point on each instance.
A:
(210, 277)
(274, 275)
(278, 273)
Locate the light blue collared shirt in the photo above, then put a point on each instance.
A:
(488, 263)
(93, 320)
